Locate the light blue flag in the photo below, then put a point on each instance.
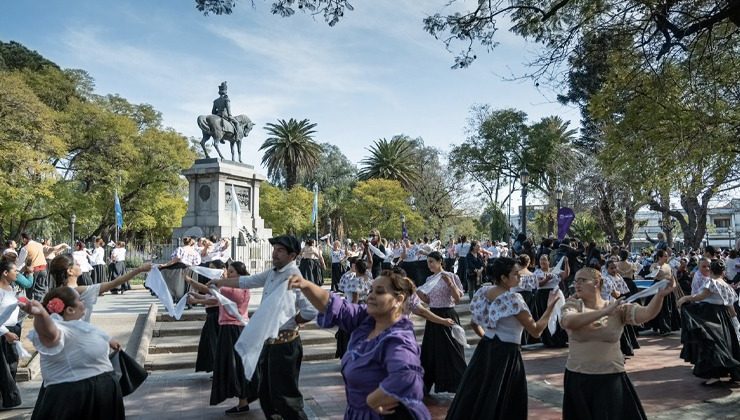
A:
(315, 211)
(119, 212)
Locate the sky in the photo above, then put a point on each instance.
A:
(375, 74)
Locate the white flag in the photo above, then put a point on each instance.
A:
(236, 212)
(650, 291)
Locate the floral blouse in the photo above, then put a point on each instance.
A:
(360, 285)
(722, 293)
(527, 283)
(497, 316)
(613, 283)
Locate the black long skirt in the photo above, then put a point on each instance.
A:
(208, 342)
(462, 272)
(9, 391)
(228, 371)
(99, 273)
(442, 357)
(560, 337)
(422, 271)
(628, 341)
(311, 270)
(709, 341)
(530, 299)
(116, 270)
(410, 268)
(609, 396)
(336, 274)
(85, 279)
(669, 318)
(494, 385)
(98, 397)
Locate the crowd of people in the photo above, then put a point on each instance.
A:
(558, 293)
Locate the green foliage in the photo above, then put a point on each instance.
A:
(495, 224)
(585, 228)
(290, 150)
(66, 150)
(335, 170)
(287, 211)
(392, 160)
(379, 203)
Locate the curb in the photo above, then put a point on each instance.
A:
(31, 370)
(142, 335)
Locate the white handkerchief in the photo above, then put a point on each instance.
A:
(276, 309)
(20, 350)
(558, 267)
(229, 305)
(155, 282)
(210, 273)
(555, 317)
(653, 274)
(7, 313)
(650, 291)
(458, 333)
(180, 308)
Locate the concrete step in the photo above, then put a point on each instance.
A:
(171, 353)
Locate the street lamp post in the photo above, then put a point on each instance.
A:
(559, 196)
(524, 178)
(403, 226)
(72, 221)
(730, 235)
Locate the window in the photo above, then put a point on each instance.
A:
(723, 223)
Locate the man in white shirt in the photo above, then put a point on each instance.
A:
(280, 360)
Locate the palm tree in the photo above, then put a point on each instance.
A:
(394, 159)
(290, 150)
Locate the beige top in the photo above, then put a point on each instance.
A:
(594, 348)
(311, 252)
(625, 269)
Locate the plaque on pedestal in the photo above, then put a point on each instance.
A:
(210, 205)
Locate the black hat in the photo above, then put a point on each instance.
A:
(288, 241)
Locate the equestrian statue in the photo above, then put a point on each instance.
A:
(222, 126)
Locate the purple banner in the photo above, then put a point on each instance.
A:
(565, 218)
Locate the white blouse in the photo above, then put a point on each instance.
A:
(80, 258)
(498, 317)
(118, 254)
(81, 353)
(98, 256)
(553, 280)
(721, 292)
(7, 298)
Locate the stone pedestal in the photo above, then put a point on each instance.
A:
(210, 210)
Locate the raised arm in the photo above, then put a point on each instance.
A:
(200, 288)
(109, 285)
(535, 328)
(573, 320)
(47, 331)
(646, 313)
(318, 297)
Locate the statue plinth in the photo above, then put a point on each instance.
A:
(210, 210)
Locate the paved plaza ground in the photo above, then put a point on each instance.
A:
(663, 381)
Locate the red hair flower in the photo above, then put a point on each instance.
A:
(23, 300)
(55, 306)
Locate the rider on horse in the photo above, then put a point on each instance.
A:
(222, 108)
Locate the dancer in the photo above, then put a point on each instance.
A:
(442, 357)
(97, 260)
(80, 256)
(669, 318)
(79, 382)
(596, 384)
(708, 333)
(312, 263)
(228, 372)
(613, 288)
(117, 267)
(494, 385)
(209, 333)
(65, 271)
(548, 281)
(337, 258)
(10, 332)
(527, 288)
(381, 370)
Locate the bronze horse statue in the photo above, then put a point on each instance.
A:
(222, 130)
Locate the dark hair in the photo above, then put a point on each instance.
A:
(25, 235)
(436, 256)
(717, 267)
(523, 260)
(66, 294)
(5, 265)
(473, 244)
(733, 253)
(360, 267)
(217, 264)
(79, 245)
(8, 243)
(400, 284)
(710, 249)
(610, 262)
(396, 270)
(501, 266)
(187, 241)
(660, 253)
(624, 255)
(309, 242)
(239, 267)
(353, 260)
(58, 269)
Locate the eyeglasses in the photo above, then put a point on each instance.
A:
(582, 280)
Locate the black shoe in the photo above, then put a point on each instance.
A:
(235, 411)
(114, 292)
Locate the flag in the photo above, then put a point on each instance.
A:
(119, 212)
(315, 211)
(236, 209)
(565, 218)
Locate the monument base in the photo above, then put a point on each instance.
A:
(210, 207)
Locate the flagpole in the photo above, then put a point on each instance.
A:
(116, 216)
(316, 218)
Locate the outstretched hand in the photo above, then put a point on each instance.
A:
(32, 307)
(296, 282)
(553, 298)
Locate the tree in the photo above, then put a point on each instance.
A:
(286, 211)
(290, 150)
(585, 228)
(392, 160)
(495, 223)
(335, 170)
(379, 203)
